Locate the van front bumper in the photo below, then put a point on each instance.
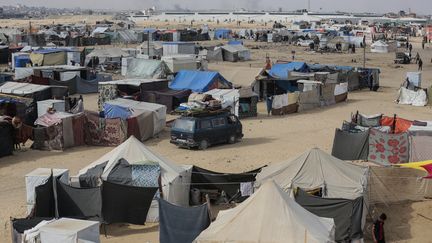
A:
(184, 143)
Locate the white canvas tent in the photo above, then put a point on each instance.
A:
(411, 97)
(269, 215)
(383, 47)
(68, 230)
(317, 169)
(175, 179)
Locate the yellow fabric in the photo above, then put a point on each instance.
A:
(56, 58)
(36, 59)
(416, 165)
(293, 98)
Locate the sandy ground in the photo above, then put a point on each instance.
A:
(267, 140)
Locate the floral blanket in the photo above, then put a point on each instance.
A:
(386, 148)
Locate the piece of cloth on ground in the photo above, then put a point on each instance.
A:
(181, 224)
(126, 204)
(386, 148)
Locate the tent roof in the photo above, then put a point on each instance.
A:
(197, 81)
(146, 68)
(133, 82)
(234, 48)
(316, 168)
(21, 88)
(269, 215)
(134, 152)
(280, 70)
(242, 76)
(137, 107)
(109, 52)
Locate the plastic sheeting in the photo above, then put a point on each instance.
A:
(281, 70)
(350, 145)
(179, 224)
(199, 81)
(414, 98)
(146, 69)
(347, 214)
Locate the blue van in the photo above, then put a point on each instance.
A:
(205, 130)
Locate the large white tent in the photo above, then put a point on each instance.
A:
(269, 215)
(175, 180)
(316, 169)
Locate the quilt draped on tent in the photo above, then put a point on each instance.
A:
(386, 148)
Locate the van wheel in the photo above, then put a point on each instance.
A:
(232, 139)
(203, 145)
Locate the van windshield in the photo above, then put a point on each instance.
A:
(184, 125)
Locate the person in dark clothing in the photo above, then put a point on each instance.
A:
(378, 229)
(410, 48)
(420, 65)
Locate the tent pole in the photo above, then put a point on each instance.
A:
(394, 124)
(209, 207)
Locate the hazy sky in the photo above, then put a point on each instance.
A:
(382, 6)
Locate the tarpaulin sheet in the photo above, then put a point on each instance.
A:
(146, 69)
(386, 148)
(199, 81)
(85, 86)
(180, 224)
(402, 125)
(230, 183)
(350, 145)
(71, 84)
(126, 204)
(45, 202)
(7, 137)
(81, 203)
(281, 70)
(347, 214)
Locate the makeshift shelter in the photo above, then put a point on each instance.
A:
(130, 88)
(70, 231)
(199, 81)
(229, 98)
(59, 131)
(108, 54)
(316, 169)
(145, 120)
(176, 48)
(269, 215)
(174, 180)
(211, 54)
(180, 62)
(147, 69)
(49, 57)
(281, 70)
(235, 53)
(411, 97)
(220, 34)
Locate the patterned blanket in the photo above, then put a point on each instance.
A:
(386, 148)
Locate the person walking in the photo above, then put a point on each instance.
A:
(378, 235)
(420, 65)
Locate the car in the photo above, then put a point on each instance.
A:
(202, 131)
(304, 43)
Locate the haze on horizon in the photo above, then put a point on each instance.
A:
(373, 6)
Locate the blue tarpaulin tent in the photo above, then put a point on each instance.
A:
(199, 81)
(222, 33)
(280, 70)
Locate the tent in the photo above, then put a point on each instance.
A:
(69, 231)
(222, 34)
(174, 179)
(47, 57)
(411, 97)
(316, 169)
(281, 70)
(235, 53)
(382, 47)
(211, 54)
(199, 81)
(108, 54)
(269, 215)
(150, 117)
(146, 69)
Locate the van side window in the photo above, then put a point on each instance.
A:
(205, 124)
(217, 122)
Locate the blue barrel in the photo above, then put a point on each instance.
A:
(21, 61)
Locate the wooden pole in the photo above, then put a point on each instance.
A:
(209, 206)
